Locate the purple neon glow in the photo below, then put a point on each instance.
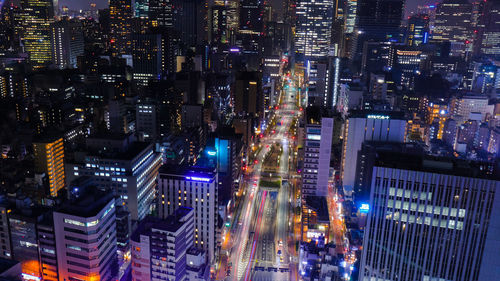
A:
(197, 179)
(234, 50)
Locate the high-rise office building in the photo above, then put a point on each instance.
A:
(367, 126)
(49, 159)
(453, 23)
(160, 13)
(123, 166)
(196, 188)
(251, 16)
(48, 251)
(377, 20)
(314, 28)
(233, 16)
(317, 150)
(150, 260)
(437, 213)
(190, 18)
(120, 15)
(437, 113)
(248, 95)
(351, 7)
(409, 61)
(489, 31)
(228, 154)
(218, 29)
(85, 236)
(36, 18)
(141, 8)
(471, 104)
(147, 57)
(418, 30)
(23, 238)
(145, 119)
(67, 43)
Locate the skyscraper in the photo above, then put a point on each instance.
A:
(85, 237)
(190, 21)
(453, 23)
(351, 7)
(251, 16)
(147, 57)
(49, 159)
(489, 32)
(218, 30)
(418, 30)
(67, 43)
(317, 148)
(145, 119)
(367, 126)
(120, 15)
(141, 8)
(431, 219)
(160, 13)
(314, 28)
(377, 20)
(153, 236)
(37, 16)
(195, 188)
(120, 165)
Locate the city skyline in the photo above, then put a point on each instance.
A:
(238, 140)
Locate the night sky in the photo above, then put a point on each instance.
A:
(411, 5)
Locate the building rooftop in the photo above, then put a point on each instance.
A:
(88, 204)
(171, 224)
(398, 115)
(194, 251)
(186, 171)
(435, 164)
(320, 206)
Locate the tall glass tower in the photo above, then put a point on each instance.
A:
(37, 16)
(314, 28)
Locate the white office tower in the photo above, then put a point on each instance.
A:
(195, 188)
(159, 246)
(123, 166)
(145, 120)
(317, 150)
(314, 28)
(364, 126)
(85, 235)
(431, 219)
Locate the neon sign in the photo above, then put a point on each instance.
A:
(364, 208)
(313, 137)
(197, 179)
(211, 152)
(377, 117)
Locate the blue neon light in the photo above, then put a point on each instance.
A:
(197, 179)
(426, 37)
(211, 152)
